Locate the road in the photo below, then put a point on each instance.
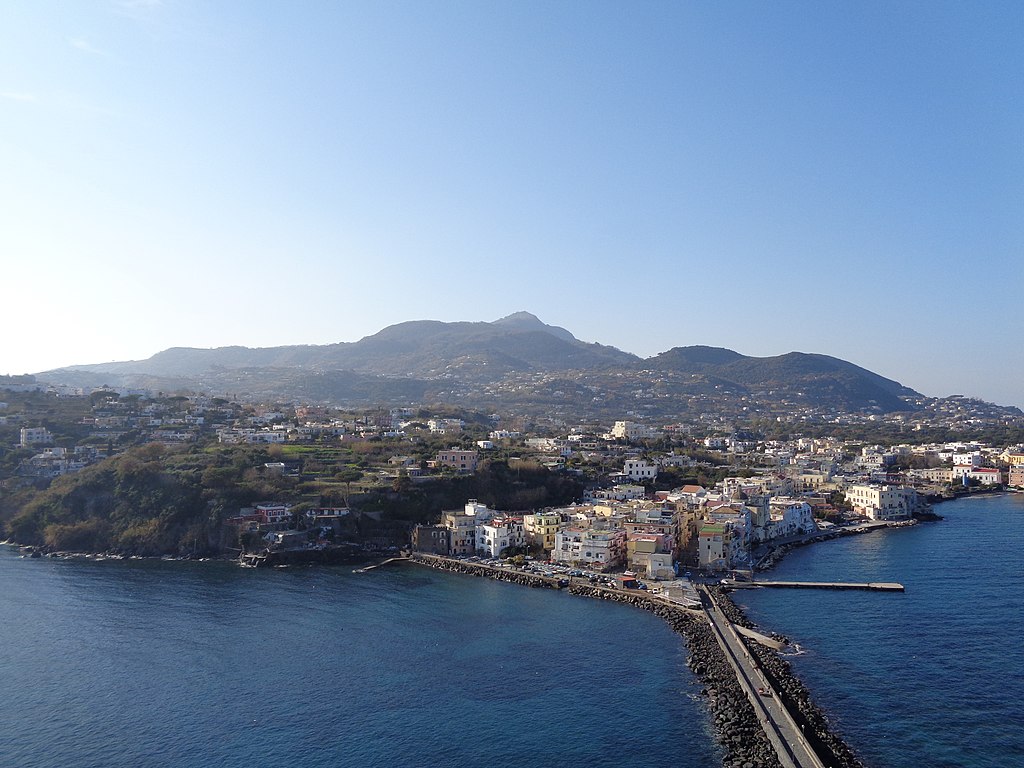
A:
(783, 733)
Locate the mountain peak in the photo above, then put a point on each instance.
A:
(519, 318)
(527, 321)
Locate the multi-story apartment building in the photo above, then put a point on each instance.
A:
(638, 469)
(499, 534)
(882, 502)
(594, 548)
(629, 430)
(540, 529)
(713, 546)
(462, 524)
(35, 436)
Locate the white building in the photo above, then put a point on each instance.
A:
(638, 469)
(882, 502)
(788, 517)
(498, 534)
(502, 434)
(595, 548)
(445, 426)
(35, 436)
(620, 493)
(984, 475)
(630, 430)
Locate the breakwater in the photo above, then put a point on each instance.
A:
(832, 750)
(510, 575)
(736, 726)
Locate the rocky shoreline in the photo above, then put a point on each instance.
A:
(510, 575)
(773, 558)
(791, 692)
(737, 729)
(736, 726)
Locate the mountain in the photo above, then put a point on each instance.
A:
(420, 348)
(693, 359)
(524, 321)
(517, 359)
(815, 378)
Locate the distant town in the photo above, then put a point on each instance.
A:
(631, 495)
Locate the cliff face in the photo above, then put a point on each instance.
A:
(154, 500)
(135, 503)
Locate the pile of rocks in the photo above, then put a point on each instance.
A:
(736, 725)
(476, 569)
(792, 693)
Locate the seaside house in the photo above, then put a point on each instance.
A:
(462, 524)
(788, 517)
(650, 554)
(271, 513)
(713, 546)
(590, 547)
(499, 534)
(432, 539)
(882, 502)
(540, 529)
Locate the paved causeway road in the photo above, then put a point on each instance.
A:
(784, 734)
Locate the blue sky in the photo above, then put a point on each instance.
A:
(843, 178)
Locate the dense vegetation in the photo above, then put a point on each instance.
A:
(155, 500)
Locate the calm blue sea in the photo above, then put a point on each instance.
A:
(932, 677)
(149, 663)
(138, 663)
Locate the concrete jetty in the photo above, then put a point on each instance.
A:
(875, 586)
(378, 565)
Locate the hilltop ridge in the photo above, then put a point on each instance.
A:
(495, 363)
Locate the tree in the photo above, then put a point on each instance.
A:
(348, 475)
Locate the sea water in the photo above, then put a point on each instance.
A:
(930, 677)
(152, 663)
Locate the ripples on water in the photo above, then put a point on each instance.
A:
(931, 677)
(138, 663)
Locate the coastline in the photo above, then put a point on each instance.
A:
(737, 728)
(774, 554)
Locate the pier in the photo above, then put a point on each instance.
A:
(382, 562)
(873, 586)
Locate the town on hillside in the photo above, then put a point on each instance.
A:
(634, 495)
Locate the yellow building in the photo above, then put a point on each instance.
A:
(541, 528)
